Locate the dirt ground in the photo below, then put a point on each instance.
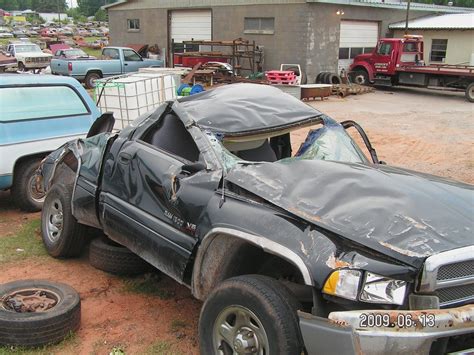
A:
(429, 132)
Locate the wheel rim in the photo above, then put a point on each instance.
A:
(93, 79)
(54, 223)
(237, 330)
(359, 79)
(36, 195)
(470, 92)
(30, 300)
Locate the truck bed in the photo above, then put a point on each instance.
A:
(441, 69)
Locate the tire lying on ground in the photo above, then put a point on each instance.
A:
(37, 312)
(250, 314)
(111, 257)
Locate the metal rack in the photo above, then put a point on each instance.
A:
(243, 54)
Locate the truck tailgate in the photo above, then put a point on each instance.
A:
(59, 66)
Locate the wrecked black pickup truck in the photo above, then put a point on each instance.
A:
(318, 250)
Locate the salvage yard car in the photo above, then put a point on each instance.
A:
(321, 250)
(29, 56)
(38, 113)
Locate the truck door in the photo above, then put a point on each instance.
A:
(383, 57)
(131, 61)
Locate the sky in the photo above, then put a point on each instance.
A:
(71, 3)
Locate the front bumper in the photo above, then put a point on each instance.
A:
(36, 65)
(342, 332)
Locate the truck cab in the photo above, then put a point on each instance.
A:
(387, 56)
(400, 61)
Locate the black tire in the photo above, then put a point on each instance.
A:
(334, 79)
(90, 79)
(318, 79)
(24, 188)
(34, 329)
(108, 256)
(470, 92)
(69, 239)
(360, 77)
(326, 77)
(21, 66)
(273, 308)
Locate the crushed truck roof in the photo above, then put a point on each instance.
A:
(241, 109)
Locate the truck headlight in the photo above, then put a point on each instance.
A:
(381, 289)
(375, 288)
(343, 283)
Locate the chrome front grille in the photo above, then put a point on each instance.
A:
(450, 275)
(457, 294)
(456, 270)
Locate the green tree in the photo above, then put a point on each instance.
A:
(9, 5)
(90, 7)
(100, 15)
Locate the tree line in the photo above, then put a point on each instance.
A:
(84, 7)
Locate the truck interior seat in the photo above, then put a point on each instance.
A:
(262, 153)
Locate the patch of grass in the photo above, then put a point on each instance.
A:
(94, 52)
(177, 324)
(148, 284)
(26, 243)
(67, 345)
(161, 347)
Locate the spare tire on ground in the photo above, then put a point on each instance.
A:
(111, 257)
(37, 312)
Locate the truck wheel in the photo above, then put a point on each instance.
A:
(250, 314)
(46, 318)
(360, 77)
(21, 67)
(470, 92)
(111, 257)
(62, 235)
(90, 79)
(24, 191)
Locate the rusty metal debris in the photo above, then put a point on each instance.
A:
(33, 300)
(342, 90)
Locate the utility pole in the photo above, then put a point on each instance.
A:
(406, 21)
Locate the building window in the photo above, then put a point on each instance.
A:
(356, 51)
(259, 25)
(438, 50)
(343, 53)
(133, 24)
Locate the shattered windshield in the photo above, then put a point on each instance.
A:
(328, 142)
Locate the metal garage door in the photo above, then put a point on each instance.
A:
(188, 25)
(357, 37)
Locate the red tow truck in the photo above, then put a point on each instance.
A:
(399, 61)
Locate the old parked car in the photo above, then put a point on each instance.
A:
(57, 110)
(72, 53)
(321, 249)
(29, 56)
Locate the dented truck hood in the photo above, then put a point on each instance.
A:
(403, 214)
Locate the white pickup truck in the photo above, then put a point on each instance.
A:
(29, 56)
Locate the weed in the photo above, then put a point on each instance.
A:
(177, 324)
(148, 284)
(161, 347)
(26, 243)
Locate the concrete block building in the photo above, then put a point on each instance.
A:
(320, 35)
